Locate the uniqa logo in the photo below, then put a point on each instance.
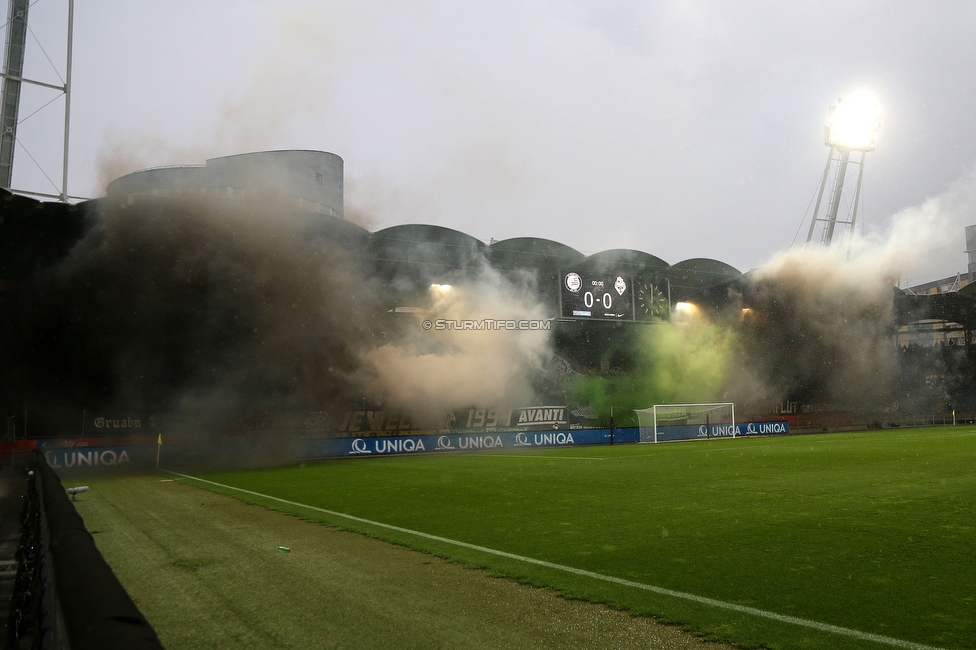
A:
(91, 458)
(772, 427)
(444, 443)
(751, 427)
(479, 442)
(560, 438)
(359, 447)
(397, 446)
(521, 440)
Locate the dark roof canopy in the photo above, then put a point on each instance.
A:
(424, 250)
(625, 260)
(694, 276)
(531, 253)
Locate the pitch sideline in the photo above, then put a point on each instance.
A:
(816, 625)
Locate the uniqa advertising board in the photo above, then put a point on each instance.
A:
(94, 458)
(696, 431)
(386, 445)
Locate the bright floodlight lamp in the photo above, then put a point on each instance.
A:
(685, 312)
(853, 124)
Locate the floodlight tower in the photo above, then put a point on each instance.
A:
(12, 76)
(852, 126)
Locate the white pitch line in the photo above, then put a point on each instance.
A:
(816, 625)
(521, 456)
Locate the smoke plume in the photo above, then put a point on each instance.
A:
(200, 309)
(812, 324)
(437, 370)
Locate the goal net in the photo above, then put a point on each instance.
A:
(664, 422)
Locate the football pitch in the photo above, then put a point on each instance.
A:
(854, 540)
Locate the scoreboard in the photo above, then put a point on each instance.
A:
(596, 296)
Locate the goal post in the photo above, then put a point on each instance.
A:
(666, 422)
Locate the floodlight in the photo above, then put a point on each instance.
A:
(852, 127)
(440, 287)
(853, 124)
(685, 312)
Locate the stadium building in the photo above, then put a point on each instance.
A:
(597, 305)
(310, 180)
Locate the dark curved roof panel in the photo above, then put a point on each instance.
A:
(694, 276)
(531, 253)
(424, 250)
(625, 260)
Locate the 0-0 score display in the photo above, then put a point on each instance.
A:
(598, 296)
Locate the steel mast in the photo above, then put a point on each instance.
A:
(13, 70)
(852, 128)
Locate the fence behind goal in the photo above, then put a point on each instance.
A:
(665, 422)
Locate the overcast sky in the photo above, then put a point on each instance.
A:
(685, 129)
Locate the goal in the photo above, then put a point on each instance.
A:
(665, 422)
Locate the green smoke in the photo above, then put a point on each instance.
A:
(672, 363)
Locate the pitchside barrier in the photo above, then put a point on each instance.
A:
(421, 444)
(90, 455)
(65, 594)
(83, 456)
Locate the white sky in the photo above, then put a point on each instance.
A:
(685, 129)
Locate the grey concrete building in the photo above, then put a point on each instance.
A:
(311, 180)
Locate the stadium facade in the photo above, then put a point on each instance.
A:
(402, 263)
(310, 180)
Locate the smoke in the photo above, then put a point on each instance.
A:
(200, 310)
(817, 328)
(437, 370)
(812, 324)
(205, 309)
(820, 325)
(292, 80)
(686, 361)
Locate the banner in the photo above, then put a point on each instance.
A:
(511, 440)
(383, 446)
(696, 431)
(103, 458)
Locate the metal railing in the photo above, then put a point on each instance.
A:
(65, 594)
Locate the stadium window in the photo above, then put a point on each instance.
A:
(318, 178)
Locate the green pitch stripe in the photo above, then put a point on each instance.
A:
(823, 627)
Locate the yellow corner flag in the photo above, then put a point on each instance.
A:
(159, 441)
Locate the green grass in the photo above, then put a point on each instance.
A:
(871, 531)
(206, 571)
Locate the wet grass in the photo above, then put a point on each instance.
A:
(207, 572)
(870, 531)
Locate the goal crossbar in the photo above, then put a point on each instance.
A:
(687, 421)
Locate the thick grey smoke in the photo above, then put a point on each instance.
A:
(203, 309)
(193, 302)
(820, 324)
(437, 370)
(818, 327)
